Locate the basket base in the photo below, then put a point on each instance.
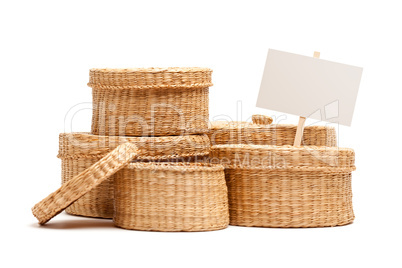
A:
(180, 229)
(273, 225)
(89, 215)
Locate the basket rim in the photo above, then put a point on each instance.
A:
(172, 137)
(284, 157)
(174, 166)
(202, 140)
(152, 70)
(280, 147)
(150, 78)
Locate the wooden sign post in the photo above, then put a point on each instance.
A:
(302, 120)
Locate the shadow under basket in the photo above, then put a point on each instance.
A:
(286, 186)
(171, 197)
(79, 151)
(150, 101)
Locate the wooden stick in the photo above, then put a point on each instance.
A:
(299, 131)
(302, 120)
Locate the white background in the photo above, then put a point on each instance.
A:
(47, 48)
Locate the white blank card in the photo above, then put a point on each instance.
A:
(309, 87)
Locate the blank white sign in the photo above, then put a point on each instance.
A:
(309, 87)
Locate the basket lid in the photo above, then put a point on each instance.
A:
(85, 145)
(148, 78)
(84, 182)
(283, 157)
(259, 122)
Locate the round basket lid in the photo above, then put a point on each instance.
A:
(79, 145)
(84, 182)
(283, 157)
(148, 78)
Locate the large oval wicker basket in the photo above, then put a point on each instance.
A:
(171, 197)
(286, 186)
(78, 151)
(150, 101)
(261, 132)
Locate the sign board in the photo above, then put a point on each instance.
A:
(309, 87)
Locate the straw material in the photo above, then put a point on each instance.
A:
(261, 133)
(271, 186)
(261, 119)
(154, 101)
(171, 197)
(147, 78)
(84, 182)
(78, 151)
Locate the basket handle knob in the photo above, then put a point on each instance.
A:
(261, 119)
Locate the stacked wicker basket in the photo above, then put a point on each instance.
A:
(164, 112)
(140, 165)
(274, 184)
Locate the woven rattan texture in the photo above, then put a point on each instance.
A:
(276, 134)
(171, 197)
(145, 102)
(86, 145)
(271, 186)
(147, 78)
(84, 182)
(261, 119)
(289, 198)
(78, 151)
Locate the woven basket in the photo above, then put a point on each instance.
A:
(171, 197)
(150, 102)
(261, 132)
(286, 186)
(78, 151)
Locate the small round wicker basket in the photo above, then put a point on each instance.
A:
(79, 151)
(171, 197)
(286, 186)
(150, 101)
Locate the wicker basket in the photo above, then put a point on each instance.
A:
(261, 132)
(78, 151)
(171, 197)
(150, 102)
(286, 186)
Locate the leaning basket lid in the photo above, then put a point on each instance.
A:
(148, 78)
(84, 182)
